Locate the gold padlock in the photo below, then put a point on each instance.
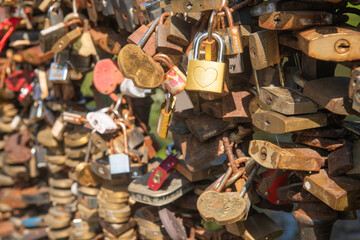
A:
(206, 75)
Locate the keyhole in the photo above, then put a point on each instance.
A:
(189, 5)
(263, 153)
(277, 18)
(342, 46)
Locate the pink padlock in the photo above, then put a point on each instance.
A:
(106, 77)
(174, 79)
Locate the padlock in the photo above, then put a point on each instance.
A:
(166, 111)
(340, 193)
(227, 207)
(290, 157)
(126, 14)
(153, 9)
(55, 14)
(269, 229)
(16, 150)
(50, 35)
(174, 227)
(277, 123)
(161, 42)
(294, 20)
(178, 30)
(101, 122)
(333, 97)
(174, 80)
(67, 39)
(271, 180)
(203, 75)
(106, 39)
(84, 45)
(175, 187)
(235, 106)
(340, 161)
(264, 49)
(132, 57)
(190, 6)
(150, 45)
(275, 6)
(35, 56)
(324, 143)
(286, 101)
(119, 164)
(231, 35)
(59, 72)
(162, 172)
(204, 127)
(107, 77)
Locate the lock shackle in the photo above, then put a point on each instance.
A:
(211, 23)
(74, 22)
(201, 37)
(160, 57)
(229, 16)
(123, 127)
(51, 8)
(149, 32)
(163, 17)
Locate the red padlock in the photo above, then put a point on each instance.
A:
(24, 92)
(107, 77)
(162, 172)
(271, 180)
(19, 79)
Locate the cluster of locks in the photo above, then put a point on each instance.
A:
(259, 117)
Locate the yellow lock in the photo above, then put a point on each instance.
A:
(165, 116)
(207, 76)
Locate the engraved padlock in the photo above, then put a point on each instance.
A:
(207, 76)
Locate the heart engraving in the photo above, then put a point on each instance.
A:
(205, 77)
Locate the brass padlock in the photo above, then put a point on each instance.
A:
(231, 35)
(178, 30)
(340, 193)
(165, 115)
(330, 43)
(132, 58)
(190, 6)
(333, 97)
(264, 49)
(293, 20)
(162, 44)
(288, 157)
(286, 101)
(277, 123)
(204, 75)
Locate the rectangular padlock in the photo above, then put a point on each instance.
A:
(277, 123)
(294, 20)
(162, 172)
(275, 6)
(264, 49)
(330, 43)
(189, 6)
(286, 101)
(340, 161)
(290, 157)
(340, 193)
(333, 97)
